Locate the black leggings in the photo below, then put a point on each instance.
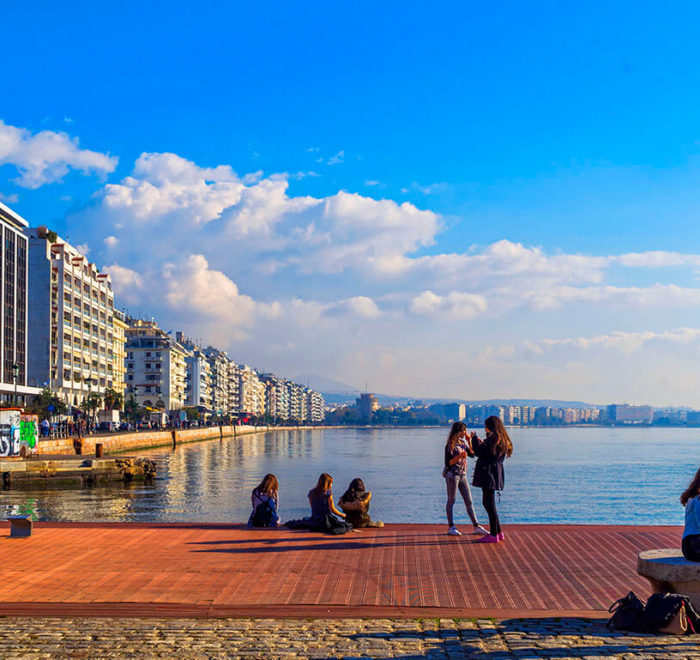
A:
(489, 501)
(691, 547)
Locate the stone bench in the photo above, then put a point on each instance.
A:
(669, 571)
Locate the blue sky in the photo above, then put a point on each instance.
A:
(503, 197)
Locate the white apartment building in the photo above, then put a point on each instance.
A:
(155, 367)
(252, 392)
(71, 319)
(198, 381)
(316, 407)
(119, 350)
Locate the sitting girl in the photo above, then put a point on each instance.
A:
(265, 500)
(325, 517)
(690, 499)
(355, 503)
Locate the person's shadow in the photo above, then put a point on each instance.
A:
(537, 638)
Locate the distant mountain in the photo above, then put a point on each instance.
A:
(325, 385)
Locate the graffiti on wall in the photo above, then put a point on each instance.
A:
(28, 433)
(18, 433)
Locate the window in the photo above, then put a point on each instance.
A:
(130, 377)
(130, 365)
(148, 354)
(148, 365)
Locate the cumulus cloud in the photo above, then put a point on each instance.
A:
(626, 342)
(47, 156)
(455, 305)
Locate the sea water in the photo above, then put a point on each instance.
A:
(581, 475)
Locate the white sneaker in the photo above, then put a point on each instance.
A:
(453, 531)
(478, 529)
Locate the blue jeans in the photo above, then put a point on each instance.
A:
(459, 482)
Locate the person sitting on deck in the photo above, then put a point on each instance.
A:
(265, 501)
(355, 503)
(690, 499)
(325, 517)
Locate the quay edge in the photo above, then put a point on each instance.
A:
(122, 442)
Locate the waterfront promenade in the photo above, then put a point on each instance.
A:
(402, 570)
(112, 590)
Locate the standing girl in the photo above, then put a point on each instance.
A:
(690, 499)
(488, 473)
(457, 449)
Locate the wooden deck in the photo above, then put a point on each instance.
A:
(113, 569)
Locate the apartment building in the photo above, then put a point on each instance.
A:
(119, 351)
(315, 406)
(252, 392)
(71, 320)
(15, 378)
(156, 370)
(198, 381)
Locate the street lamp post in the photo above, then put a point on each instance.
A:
(15, 376)
(89, 380)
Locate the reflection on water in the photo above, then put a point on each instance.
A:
(575, 475)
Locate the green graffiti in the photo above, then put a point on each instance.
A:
(27, 433)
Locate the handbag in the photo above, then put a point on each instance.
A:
(678, 625)
(627, 613)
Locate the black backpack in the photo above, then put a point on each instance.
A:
(264, 515)
(627, 613)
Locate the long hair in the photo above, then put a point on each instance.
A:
(356, 486)
(268, 485)
(325, 481)
(457, 429)
(692, 490)
(503, 445)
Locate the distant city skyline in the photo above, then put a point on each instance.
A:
(470, 203)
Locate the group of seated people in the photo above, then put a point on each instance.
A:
(325, 516)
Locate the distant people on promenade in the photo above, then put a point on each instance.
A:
(265, 501)
(488, 472)
(457, 449)
(355, 503)
(690, 499)
(324, 515)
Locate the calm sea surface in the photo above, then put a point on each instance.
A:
(559, 475)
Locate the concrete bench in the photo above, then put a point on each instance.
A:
(669, 571)
(20, 526)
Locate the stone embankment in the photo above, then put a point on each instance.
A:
(121, 442)
(73, 471)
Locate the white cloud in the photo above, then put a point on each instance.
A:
(363, 307)
(337, 159)
(47, 156)
(454, 306)
(626, 342)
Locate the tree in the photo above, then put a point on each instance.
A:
(45, 404)
(160, 404)
(192, 413)
(113, 399)
(93, 401)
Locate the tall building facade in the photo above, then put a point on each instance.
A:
(119, 351)
(15, 379)
(155, 367)
(71, 320)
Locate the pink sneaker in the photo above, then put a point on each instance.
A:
(487, 539)
(501, 536)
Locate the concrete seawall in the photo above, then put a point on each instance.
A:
(121, 442)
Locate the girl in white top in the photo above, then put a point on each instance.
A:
(690, 499)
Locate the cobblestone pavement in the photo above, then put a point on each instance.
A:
(330, 638)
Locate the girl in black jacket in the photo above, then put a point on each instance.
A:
(488, 472)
